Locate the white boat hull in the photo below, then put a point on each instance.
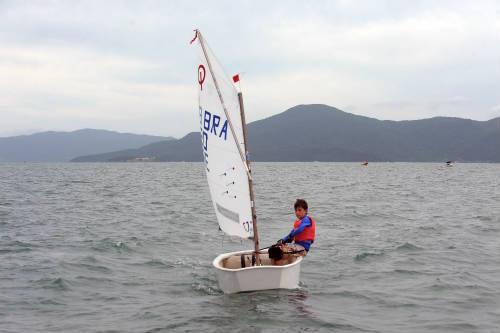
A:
(252, 278)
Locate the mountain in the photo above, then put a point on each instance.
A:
(186, 149)
(64, 146)
(322, 133)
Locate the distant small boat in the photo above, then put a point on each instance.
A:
(449, 163)
(364, 163)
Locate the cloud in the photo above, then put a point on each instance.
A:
(128, 66)
(83, 86)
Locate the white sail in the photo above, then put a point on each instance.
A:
(223, 146)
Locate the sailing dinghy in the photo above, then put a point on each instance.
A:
(229, 174)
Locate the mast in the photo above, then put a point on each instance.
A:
(250, 180)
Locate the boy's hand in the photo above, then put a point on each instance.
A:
(280, 242)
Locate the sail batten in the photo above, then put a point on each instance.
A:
(223, 146)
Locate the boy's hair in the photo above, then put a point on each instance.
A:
(275, 252)
(300, 203)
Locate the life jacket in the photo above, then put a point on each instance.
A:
(308, 233)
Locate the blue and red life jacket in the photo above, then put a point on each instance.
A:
(307, 234)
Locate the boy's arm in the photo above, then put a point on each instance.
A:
(287, 238)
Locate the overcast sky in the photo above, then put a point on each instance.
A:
(128, 65)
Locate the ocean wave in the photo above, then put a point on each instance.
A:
(206, 289)
(484, 218)
(87, 267)
(440, 285)
(156, 263)
(408, 247)
(407, 271)
(80, 182)
(108, 244)
(350, 294)
(364, 255)
(204, 284)
(93, 279)
(451, 327)
(51, 301)
(427, 227)
(188, 262)
(19, 250)
(16, 247)
(59, 284)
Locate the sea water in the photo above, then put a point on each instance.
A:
(401, 247)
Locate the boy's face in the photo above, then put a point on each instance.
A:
(300, 212)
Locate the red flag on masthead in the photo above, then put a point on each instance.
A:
(195, 36)
(236, 78)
